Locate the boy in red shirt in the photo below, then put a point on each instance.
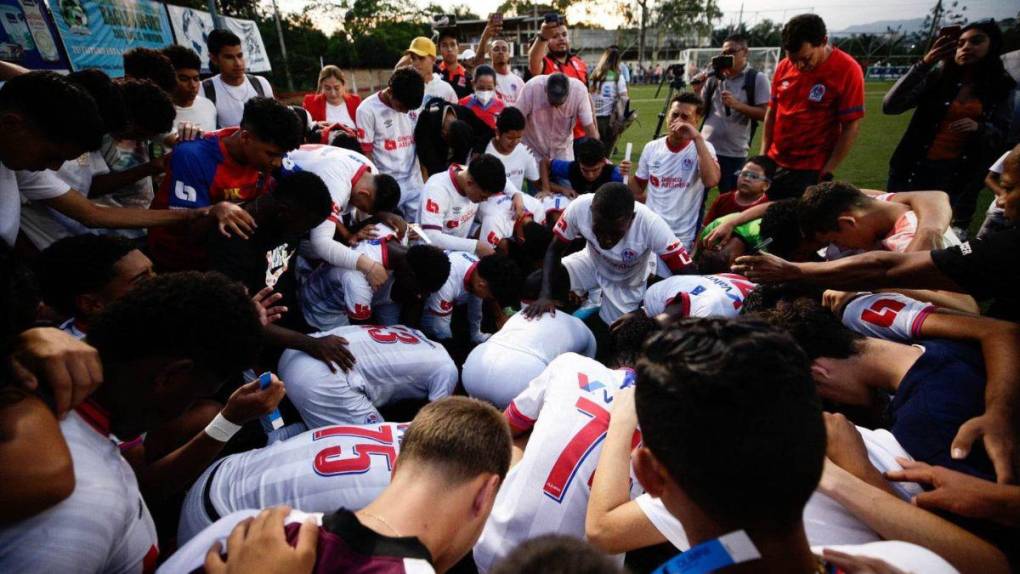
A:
(753, 181)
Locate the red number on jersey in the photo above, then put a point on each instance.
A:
(328, 463)
(579, 447)
(392, 334)
(883, 312)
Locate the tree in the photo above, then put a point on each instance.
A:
(943, 14)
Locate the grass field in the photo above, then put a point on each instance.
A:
(866, 166)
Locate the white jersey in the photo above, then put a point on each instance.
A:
(446, 213)
(104, 526)
(393, 363)
(230, 100)
(499, 218)
(520, 164)
(700, 295)
(889, 316)
(18, 185)
(627, 262)
(898, 238)
(508, 87)
(546, 337)
(439, 306)
(554, 204)
(675, 190)
(320, 470)
(567, 407)
(389, 136)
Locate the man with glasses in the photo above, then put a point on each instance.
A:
(736, 97)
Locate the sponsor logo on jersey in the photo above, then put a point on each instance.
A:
(586, 385)
(431, 206)
(389, 145)
(654, 180)
(493, 239)
(817, 93)
(446, 305)
(452, 224)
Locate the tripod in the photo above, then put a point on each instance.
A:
(676, 86)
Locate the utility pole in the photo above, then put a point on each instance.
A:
(936, 18)
(217, 19)
(283, 46)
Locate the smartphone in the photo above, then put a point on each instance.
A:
(553, 18)
(951, 31)
(496, 19)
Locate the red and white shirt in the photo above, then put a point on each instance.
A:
(890, 316)
(898, 238)
(508, 87)
(674, 186)
(389, 136)
(700, 295)
(499, 218)
(446, 213)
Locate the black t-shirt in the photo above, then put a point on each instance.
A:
(581, 185)
(987, 269)
(432, 151)
(251, 261)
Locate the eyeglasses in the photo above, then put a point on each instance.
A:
(750, 175)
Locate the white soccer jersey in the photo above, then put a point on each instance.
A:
(520, 164)
(339, 169)
(393, 363)
(320, 470)
(508, 87)
(700, 295)
(567, 407)
(446, 213)
(627, 262)
(104, 526)
(675, 190)
(389, 136)
(439, 306)
(888, 316)
(546, 337)
(554, 204)
(499, 219)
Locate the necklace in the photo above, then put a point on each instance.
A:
(243, 87)
(383, 520)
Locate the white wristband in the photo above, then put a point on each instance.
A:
(220, 429)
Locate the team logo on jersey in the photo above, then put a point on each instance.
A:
(431, 206)
(278, 260)
(586, 385)
(372, 419)
(687, 164)
(389, 145)
(817, 93)
(362, 311)
(629, 255)
(232, 194)
(446, 305)
(452, 224)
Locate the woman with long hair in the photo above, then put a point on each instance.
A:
(332, 104)
(961, 92)
(608, 87)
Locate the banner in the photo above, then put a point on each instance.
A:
(27, 36)
(192, 27)
(96, 33)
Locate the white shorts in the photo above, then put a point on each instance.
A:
(616, 299)
(495, 373)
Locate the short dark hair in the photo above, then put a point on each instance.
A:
(537, 238)
(555, 554)
(343, 138)
(108, 97)
(767, 164)
(387, 193)
(149, 64)
(218, 39)
(780, 224)
(630, 336)
(60, 109)
(510, 120)
(504, 278)
(729, 408)
(272, 122)
(808, 28)
(613, 201)
(430, 265)
(19, 300)
(447, 32)
(306, 192)
(692, 99)
(559, 283)
(815, 328)
(488, 172)
(484, 70)
(77, 265)
(182, 57)
(460, 137)
(408, 87)
(149, 107)
(205, 317)
(589, 151)
(822, 204)
(737, 38)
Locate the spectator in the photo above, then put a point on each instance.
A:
(552, 104)
(508, 84)
(517, 158)
(191, 108)
(483, 102)
(585, 174)
(736, 99)
(421, 55)
(816, 110)
(608, 94)
(332, 104)
(447, 134)
(232, 87)
(753, 181)
(449, 67)
(550, 53)
(963, 109)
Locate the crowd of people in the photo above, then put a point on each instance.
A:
(437, 329)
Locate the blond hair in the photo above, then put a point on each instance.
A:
(331, 71)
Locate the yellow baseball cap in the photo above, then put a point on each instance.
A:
(422, 46)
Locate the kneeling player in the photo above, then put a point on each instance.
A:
(494, 278)
(698, 296)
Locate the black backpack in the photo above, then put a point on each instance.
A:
(750, 77)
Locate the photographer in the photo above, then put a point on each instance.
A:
(736, 96)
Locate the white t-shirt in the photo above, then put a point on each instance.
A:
(508, 87)
(230, 100)
(675, 190)
(701, 295)
(44, 225)
(605, 98)
(546, 337)
(30, 185)
(889, 316)
(339, 114)
(567, 407)
(104, 526)
(389, 136)
(627, 262)
(202, 113)
(454, 292)
(446, 213)
(498, 217)
(519, 164)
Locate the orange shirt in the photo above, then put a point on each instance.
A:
(948, 144)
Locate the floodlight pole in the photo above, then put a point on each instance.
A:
(283, 47)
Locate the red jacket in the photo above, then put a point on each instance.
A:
(316, 105)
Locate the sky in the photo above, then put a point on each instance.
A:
(838, 14)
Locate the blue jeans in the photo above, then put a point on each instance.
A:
(728, 168)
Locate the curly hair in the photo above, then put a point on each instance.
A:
(150, 110)
(182, 57)
(108, 97)
(152, 65)
(504, 278)
(430, 265)
(77, 265)
(273, 123)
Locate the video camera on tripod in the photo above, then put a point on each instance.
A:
(676, 85)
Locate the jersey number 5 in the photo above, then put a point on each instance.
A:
(329, 463)
(883, 312)
(578, 449)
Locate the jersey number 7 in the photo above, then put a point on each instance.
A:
(328, 463)
(577, 450)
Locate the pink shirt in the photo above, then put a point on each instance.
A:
(549, 132)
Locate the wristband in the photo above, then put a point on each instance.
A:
(220, 429)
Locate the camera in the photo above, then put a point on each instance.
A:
(554, 18)
(440, 21)
(720, 63)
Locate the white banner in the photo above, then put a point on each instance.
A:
(192, 27)
(251, 41)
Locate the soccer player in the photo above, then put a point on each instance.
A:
(425, 520)
(492, 279)
(386, 133)
(504, 216)
(450, 201)
(697, 296)
(333, 296)
(566, 409)
(518, 160)
(675, 172)
(316, 471)
(500, 368)
(232, 88)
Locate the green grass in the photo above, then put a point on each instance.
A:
(867, 165)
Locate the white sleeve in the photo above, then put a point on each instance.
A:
(531, 167)
(902, 555)
(590, 345)
(451, 242)
(366, 128)
(889, 316)
(40, 185)
(663, 521)
(330, 250)
(436, 326)
(642, 165)
(266, 87)
(999, 164)
(566, 227)
(523, 411)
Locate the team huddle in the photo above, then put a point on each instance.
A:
(438, 330)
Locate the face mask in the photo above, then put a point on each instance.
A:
(485, 96)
